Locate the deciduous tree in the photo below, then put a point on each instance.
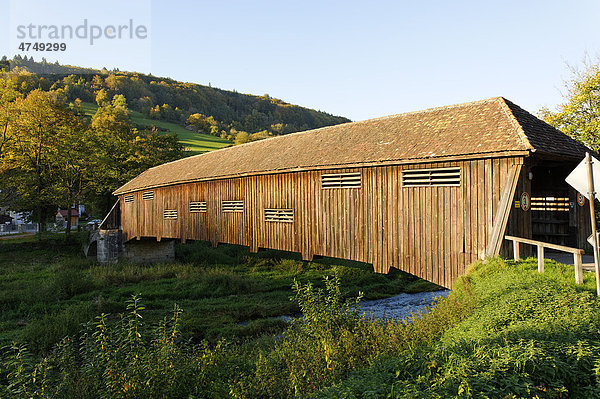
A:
(579, 115)
(33, 165)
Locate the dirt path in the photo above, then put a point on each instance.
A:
(11, 236)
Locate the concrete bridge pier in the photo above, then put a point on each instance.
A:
(107, 247)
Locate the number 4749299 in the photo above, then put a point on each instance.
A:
(37, 46)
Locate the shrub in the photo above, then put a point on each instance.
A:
(119, 359)
(330, 340)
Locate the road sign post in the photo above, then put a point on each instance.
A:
(582, 180)
(592, 196)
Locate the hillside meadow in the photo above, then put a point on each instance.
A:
(205, 326)
(194, 142)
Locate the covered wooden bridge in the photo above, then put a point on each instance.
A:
(426, 192)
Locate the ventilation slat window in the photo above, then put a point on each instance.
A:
(279, 215)
(232, 206)
(431, 177)
(128, 198)
(170, 213)
(341, 180)
(198, 206)
(550, 204)
(148, 195)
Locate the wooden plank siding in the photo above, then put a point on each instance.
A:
(432, 232)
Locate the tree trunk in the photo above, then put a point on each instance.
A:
(41, 221)
(69, 213)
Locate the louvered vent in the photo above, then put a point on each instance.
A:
(198, 206)
(341, 180)
(431, 177)
(128, 198)
(279, 215)
(232, 206)
(148, 195)
(550, 204)
(170, 213)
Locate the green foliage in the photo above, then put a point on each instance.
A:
(52, 157)
(226, 291)
(529, 335)
(119, 359)
(38, 169)
(206, 109)
(579, 116)
(194, 142)
(505, 331)
(46, 330)
(124, 358)
(311, 354)
(26, 378)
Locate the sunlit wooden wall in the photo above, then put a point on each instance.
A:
(431, 232)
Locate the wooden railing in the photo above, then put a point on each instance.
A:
(577, 254)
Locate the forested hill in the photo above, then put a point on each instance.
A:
(228, 114)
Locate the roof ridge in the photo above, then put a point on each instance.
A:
(515, 122)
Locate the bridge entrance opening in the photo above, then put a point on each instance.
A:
(557, 216)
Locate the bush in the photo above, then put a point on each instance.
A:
(119, 359)
(312, 353)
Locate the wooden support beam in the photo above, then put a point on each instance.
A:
(307, 257)
(540, 256)
(504, 206)
(516, 251)
(578, 268)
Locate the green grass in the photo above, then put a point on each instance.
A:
(506, 331)
(48, 289)
(195, 143)
(527, 335)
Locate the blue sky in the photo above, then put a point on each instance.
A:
(361, 59)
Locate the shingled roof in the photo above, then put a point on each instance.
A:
(491, 127)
